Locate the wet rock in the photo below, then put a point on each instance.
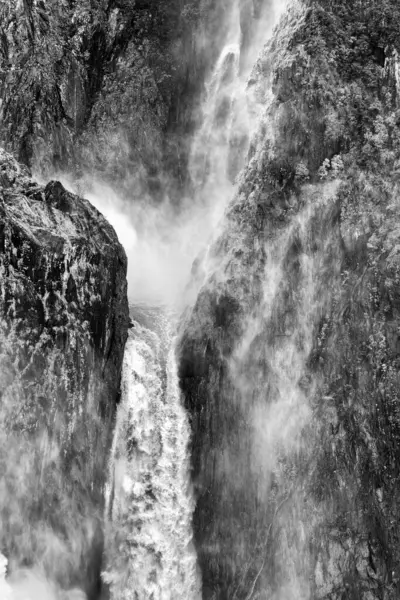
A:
(63, 326)
(293, 393)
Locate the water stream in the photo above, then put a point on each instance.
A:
(150, 502)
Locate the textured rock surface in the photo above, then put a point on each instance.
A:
(106, 86)
(63, 327)
(289, 357)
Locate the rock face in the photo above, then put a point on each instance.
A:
(106, 86)
(63, 327)
(289, 357)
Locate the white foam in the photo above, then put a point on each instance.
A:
(149, 541)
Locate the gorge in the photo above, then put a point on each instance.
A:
(199, 361)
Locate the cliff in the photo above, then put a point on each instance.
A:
(105, 86)
(63, 327)
(289, 357)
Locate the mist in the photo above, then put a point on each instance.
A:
(54, 551)
(269, 372)
(31, 585)
(163, 239)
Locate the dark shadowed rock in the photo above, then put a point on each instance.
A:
(63, 326)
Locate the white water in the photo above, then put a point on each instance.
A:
(150, 500)
(212, 163)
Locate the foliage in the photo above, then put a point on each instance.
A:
(334, 68)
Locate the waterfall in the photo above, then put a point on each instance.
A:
(150, 502)
(219, 146)
(149, 548)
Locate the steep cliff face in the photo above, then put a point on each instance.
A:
(105, 86)
(63, 327)
(289, 357)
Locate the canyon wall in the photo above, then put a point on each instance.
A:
(108, 88)
(289, 356)
(63, 327)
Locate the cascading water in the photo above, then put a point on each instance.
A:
(150, 503)
(150, 553)
(149, 545)
(219, 147)
(149, 549)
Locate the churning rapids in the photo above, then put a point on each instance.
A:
(150, 502)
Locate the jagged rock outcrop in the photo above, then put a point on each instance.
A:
(63, 326)
(289, 357)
